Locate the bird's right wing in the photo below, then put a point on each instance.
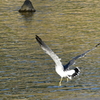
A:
(50, 52)
(71, 62)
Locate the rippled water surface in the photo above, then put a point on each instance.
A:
(69, 27)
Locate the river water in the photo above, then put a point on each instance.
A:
(69, 27)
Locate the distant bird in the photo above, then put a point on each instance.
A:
(63, 71)
(27, 7)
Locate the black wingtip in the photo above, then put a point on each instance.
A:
(36, 36)
(97, 44)
(77, 72)
(39, 40)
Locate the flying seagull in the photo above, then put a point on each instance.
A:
(61, 70)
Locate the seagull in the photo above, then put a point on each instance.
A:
(63, 70)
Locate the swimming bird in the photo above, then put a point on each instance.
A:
(63, 70)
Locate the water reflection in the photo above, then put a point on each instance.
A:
(27, 15)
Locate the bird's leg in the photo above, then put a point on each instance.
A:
(60, 81)
(67, 79)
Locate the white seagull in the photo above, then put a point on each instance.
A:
(61, 70)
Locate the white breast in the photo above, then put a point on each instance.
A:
(64, 73)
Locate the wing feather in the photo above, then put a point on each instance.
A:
(71, 62)
(47, 50)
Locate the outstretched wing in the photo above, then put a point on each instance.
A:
(71, 62)
(50, 52)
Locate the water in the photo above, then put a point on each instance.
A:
(69, 28)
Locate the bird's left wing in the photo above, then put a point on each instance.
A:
(71, 62)
(49, 52)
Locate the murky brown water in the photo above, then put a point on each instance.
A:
(69, 27)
